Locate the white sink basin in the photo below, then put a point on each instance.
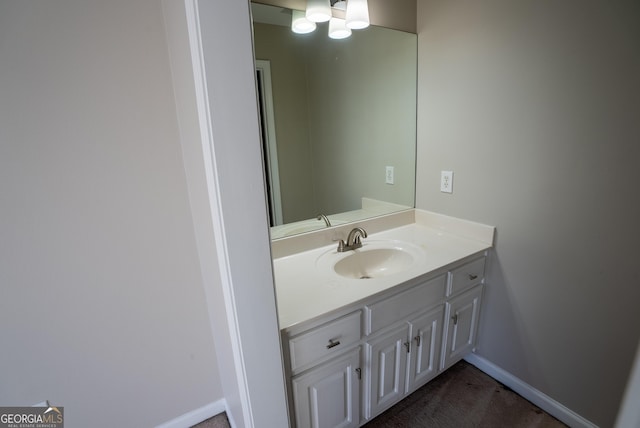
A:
(376, 259)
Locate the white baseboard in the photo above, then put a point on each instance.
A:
(196, 416)
(538, 398)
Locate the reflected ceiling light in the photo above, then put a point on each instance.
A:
(318, 10)
(300, 24)
(357, 16)
(338, 29)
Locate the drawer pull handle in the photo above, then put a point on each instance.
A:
(359, 373)
(472, 276)
(455, 319)
(417, 339)
(333, 343)
(408, 346)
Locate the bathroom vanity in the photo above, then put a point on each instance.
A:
(363, 329)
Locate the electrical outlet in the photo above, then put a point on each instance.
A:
(389, 175)
(446, 181)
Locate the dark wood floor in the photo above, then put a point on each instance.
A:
(461, 397)
(464, 396)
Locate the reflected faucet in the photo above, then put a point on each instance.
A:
(325, 218)
(353, 240)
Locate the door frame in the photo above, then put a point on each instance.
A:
(270, 146)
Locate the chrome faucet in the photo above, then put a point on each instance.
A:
(325, 218)
(353, 240)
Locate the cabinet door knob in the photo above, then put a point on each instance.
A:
(417, 339)
(408, 346)
(472, 276)
(333, 343)
(455, 319)
(359, 373)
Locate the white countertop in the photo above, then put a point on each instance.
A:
(304, 292)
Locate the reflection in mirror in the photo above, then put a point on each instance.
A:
(338, 120)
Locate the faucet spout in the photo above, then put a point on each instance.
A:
(353, 240)
(325, 218)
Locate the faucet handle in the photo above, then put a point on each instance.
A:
(341, 246)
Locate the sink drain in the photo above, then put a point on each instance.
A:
(365, 277)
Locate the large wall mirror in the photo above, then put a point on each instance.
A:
(336, 116)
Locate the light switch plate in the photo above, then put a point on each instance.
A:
(446, 181)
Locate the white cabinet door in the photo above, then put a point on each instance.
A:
(461, 316)
(387, 357)
(328, 396)
(426, 340)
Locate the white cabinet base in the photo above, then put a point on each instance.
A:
(461, 326)
(347, 368)
(426, 336)
(329, 395)
(387, 357)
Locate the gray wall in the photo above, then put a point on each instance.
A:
(534, 106)
(101, 297)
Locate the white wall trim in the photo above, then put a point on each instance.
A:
(204, 113)
(530, 393)
(196, 416)
(224, 76)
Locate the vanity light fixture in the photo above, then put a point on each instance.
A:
(300, 24)
(356, 17)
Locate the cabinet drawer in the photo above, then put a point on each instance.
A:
(328, 339)
(395, 308)
(465, 276)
